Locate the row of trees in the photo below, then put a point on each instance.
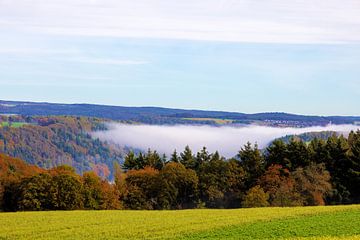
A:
(209, 180)
(285, 174)
(60, 189)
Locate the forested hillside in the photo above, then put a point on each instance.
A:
(307, 137)
(52, 141)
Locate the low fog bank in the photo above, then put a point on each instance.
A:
(227, 140)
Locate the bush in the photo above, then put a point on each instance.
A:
(256, 197)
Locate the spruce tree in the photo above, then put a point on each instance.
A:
(187, 158)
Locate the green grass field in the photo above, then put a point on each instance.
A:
(13, 124)
(215, 120)
(340, 222)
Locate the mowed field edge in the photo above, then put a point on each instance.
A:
(185, 224)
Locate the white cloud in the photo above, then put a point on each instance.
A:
(227, 140)
(36, 51)
(271, 21)
(68, 55)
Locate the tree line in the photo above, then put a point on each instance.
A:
(296, 173)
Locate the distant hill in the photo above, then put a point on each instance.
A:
(157, 115)
(307, 137)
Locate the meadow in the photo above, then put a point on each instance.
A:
(215, 120)
(332, 222)
(12, 124)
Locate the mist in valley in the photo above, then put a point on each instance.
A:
(226, 139)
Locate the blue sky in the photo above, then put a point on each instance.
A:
(247, 56)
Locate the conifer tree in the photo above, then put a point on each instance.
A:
(174, 157)
(187, 158)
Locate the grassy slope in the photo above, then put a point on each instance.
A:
(192, 224)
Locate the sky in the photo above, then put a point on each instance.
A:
(300, 56)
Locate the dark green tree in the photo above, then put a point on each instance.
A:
(338, 164)
(92, 190)
(34, 193)
(180, 186)
(202, 157)
(187, 158)
(153, 159)
(174, 157)
(318, 151)
(298, 154)
(353, 173)
(131, 162)
(252, 161)
(213, 182)
(66, 192)
(143, 190)
(277, 154)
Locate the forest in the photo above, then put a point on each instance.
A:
(320, 172)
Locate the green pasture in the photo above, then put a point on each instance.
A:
(335, 222)
(215, 120)
(12, 124)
